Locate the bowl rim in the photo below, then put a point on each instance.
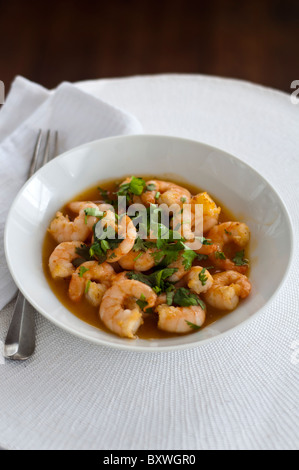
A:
(132, 346)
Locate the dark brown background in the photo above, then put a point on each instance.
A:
(51, 41)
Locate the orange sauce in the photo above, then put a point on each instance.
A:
(89, 314)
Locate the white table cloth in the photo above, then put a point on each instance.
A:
(239, 392)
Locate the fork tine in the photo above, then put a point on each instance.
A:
(47, 149)
(35, 154)
(56, 144)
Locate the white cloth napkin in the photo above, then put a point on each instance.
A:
(238, 392)
(78, 117)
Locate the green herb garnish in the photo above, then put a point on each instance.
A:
(188, 258)
(87, 286)
(239, 259)
(220, 255)
(184, 298)
(202, 277)
(142, 303)
(192, 325)
(136, 186)
(83, 252)
(82, 270)
(151, 187)
(93, 212)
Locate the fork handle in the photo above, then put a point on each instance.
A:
(20, 340)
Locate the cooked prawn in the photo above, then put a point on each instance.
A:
(138, 260)
(210, 210)
(120, 277)
(125, 230)
(60, 261)
(175, 319)
(78, 206)
(181, 270)
(224, 233)
(168, 193)
(83, 278)
(115, 309)
(227, 289)
(65, 230)
(199, 280)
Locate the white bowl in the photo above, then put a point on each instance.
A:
(235, 184)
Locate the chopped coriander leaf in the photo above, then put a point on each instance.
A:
(150, 187)
(202, 277)
(158, 256)
(138, 256)
(158, 278)
(157, 290)
(220, 255)
(183, 200)
(83, 252)
(169, 298)
(157, 195)
(139, 245)
(192, 325)
(139, 277)
(78, 261)
(93, 212)
(188, 258)
(184, 298)
(205, 241)
(201, 304)
(82, 270)
(227, 232)
(142, 303)
(149, 311)
(87, 286)
(112, 256)
(97, 251)
(105, 245)
(136, 186)
(239, 259)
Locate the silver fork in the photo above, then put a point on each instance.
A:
(20, 340)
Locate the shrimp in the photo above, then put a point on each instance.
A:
(83, 278)
(65, 230)
(227, 289)
(120, 277)
(181, 270)
(161, 299)
(227, 232)
(199, 280)
(175, 319)
(116, 308)
(183, 222)
(138, 260)
(60, 261)
(78, 206)
(210, 210)
(125, 230)
(165, 193)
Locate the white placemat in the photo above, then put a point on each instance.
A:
(240, 392)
